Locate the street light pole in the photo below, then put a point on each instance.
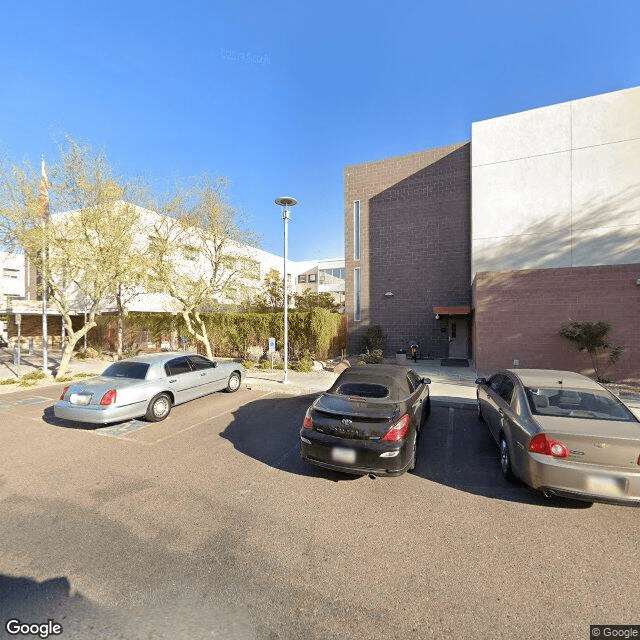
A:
(286, 202)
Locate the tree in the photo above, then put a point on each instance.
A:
(308, 301)
(91, 252)
(271, 298)
(593, 337)
(198, 252)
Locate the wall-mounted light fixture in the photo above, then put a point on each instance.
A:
(388, 294)
(437, 316)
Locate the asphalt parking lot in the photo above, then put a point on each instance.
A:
(208, 525)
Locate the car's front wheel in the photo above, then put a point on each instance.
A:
(159, 408)
(480, 414)
(233, 384)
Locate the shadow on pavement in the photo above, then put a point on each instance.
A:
(455, 449)
(268, 430)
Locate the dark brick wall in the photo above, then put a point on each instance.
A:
(518, 315)
(415, 220)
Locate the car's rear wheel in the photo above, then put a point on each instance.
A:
(505, 460)
(159, 408)
(233, 384)
(412, 464)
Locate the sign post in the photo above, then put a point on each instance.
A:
(272, 349)
(18, 318)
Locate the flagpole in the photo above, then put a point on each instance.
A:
(44, 215)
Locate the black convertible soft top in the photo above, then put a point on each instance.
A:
(391, 376)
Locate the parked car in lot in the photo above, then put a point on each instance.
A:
(368, 421)
(146, 386)
(562, 433)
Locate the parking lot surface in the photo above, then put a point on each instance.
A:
(209, 525)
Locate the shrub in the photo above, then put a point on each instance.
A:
(374, 340)
(373, 357)
(593, 337)
(304, 364)
(34, 375)
(254, 353)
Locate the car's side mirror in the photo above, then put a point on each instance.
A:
(481, 381)
(426, 380)
(215, 364)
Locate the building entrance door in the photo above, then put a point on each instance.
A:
(458, 337)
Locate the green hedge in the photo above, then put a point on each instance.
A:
(320, 331)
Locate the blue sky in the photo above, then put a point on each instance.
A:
(279, 96)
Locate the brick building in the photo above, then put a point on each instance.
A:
(407, 249)
(485, 249)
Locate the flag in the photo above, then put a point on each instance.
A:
(44, 192)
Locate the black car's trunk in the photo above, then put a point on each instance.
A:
(353, 418)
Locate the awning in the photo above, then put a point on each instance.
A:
(452, 311)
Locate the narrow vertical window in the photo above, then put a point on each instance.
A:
(356, 230)
(356, 294)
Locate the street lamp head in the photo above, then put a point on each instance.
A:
(286, 201)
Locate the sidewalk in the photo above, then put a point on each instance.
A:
(446, 382)
(450, 383)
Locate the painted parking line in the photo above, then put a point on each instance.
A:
(29, 400)
(121, 429)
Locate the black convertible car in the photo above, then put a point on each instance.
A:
(368, 421)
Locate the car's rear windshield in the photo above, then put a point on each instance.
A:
(363, 390)
(133, 370)
(591, 404)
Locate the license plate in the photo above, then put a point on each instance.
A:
(601, 485)
(80, 398)
(341, 454)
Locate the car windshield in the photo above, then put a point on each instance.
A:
(363, 390)
(592, 404)
(133, 370)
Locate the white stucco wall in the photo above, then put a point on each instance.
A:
(558, 186)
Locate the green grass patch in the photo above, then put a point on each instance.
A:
(8, 381)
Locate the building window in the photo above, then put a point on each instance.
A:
(356, 294)
(312, 277)
(302, 279)
(10, 273)
(356, 230)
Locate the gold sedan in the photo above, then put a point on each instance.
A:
(563, 434)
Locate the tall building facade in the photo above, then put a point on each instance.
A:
(486, 249)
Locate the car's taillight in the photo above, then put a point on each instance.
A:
(307, 423)
(399, 429)
(64, 392)
(108, 398)
(542, 444)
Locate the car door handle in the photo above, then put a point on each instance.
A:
(172, 380)
(203, 374)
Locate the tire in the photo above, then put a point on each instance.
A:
(159, 408)
(233, 384)
(480, 416)
(426, 412)
(505, 460)
(412, 464)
